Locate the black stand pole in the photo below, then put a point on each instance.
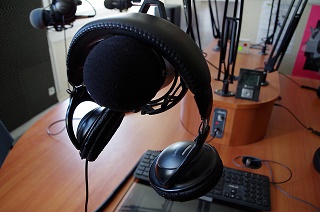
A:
(231, 28)
(269, 39)
(215, 25)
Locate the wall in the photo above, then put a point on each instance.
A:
(25, 73)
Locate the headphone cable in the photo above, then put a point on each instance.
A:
(49, 132)
(205, 54)
(87, 185)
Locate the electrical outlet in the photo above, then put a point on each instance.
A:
(244, 46)
(218, 122)
(51, 91)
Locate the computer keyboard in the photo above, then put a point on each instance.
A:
(235, 188)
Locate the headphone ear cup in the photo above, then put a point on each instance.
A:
(86, 123)
(189, 194)
(95, 131)
(202, 174)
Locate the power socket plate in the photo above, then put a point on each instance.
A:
(218, 122)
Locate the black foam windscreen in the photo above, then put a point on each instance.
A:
(122, 73)
(95, 130)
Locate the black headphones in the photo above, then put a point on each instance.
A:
(183, 171)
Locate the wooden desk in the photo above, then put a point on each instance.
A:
(45, 173)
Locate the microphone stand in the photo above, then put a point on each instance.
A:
(231, 27)
(269, 39)
(215, 25)
(274, 61)
(188, 16)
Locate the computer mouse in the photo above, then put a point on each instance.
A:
(316, 160)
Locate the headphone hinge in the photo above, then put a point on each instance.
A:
(80, 92)
(204, 129)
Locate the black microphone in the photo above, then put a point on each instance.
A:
(40, 18)
(60, 14)
(123, 74)
(118, 4)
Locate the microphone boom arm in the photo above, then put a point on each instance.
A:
(274, 61)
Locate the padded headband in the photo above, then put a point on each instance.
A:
(161, 35)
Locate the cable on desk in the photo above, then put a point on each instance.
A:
(54, 123)
(290, 79)
(289, 195)
(266, 163)
(214, 66)
(205, 54)
(303, 86)
(275, 183)
(303, 125)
